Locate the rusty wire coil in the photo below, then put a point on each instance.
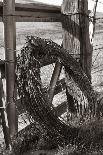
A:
(30, 86)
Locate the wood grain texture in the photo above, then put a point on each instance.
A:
(72, 44)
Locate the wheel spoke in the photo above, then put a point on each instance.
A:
(54, 79)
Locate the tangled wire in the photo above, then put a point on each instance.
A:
(30, 86)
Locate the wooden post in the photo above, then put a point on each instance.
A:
(10, 56)
(76, 41)
(81, 44)
(85, 46)
(70, 41)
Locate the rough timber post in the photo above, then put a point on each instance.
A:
(76, 40)
(10, 56)
(70, 42)
(80, 45)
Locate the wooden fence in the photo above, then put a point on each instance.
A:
(10, 13)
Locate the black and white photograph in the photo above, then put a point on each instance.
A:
(51, 77)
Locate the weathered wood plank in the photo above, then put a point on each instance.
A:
(32, 19)
(37, 7)
(23, 16)
(34, 7)
(34, 12)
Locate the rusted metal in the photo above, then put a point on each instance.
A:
(10, 57)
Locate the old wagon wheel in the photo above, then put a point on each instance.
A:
(31, 91)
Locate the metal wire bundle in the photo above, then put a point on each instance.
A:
(30, 86)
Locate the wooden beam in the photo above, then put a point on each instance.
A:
(37, 17)
(39, 12)
(10, 57)
(35, 7)
(34, 12)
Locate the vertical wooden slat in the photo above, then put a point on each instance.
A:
(10, 56)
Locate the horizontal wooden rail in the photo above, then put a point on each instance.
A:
(34, 12)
